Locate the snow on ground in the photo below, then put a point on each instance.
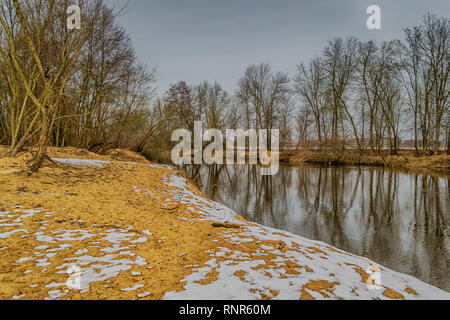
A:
(87, 162)
(282, 265)
(250, 261)
(210, 209)
(95, 262)
(160, 166)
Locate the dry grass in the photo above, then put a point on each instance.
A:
(405, 160)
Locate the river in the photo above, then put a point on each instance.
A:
(399, 219)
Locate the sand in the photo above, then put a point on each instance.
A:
(137, 230)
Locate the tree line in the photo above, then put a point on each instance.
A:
(87, 88)
(65, 87)
(369, 95)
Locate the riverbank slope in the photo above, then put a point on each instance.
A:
(404, 160)
(124, 228)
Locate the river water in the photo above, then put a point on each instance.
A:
(399, 219)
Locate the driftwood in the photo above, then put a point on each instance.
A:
(226, 225)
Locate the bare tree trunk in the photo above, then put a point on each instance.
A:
(42, 144)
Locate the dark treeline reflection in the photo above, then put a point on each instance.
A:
(400, 220)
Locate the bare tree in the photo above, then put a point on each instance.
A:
(46, 87)
(265, 95)
(426, 63)
(309, 84)
(339, 57)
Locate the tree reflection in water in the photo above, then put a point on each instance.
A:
(398, 219)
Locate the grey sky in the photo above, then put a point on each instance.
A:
(211, 40)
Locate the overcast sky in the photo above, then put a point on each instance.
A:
(195, 40)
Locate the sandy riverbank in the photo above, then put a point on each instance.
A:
(138, 230)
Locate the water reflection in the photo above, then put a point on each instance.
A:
(398, 219)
